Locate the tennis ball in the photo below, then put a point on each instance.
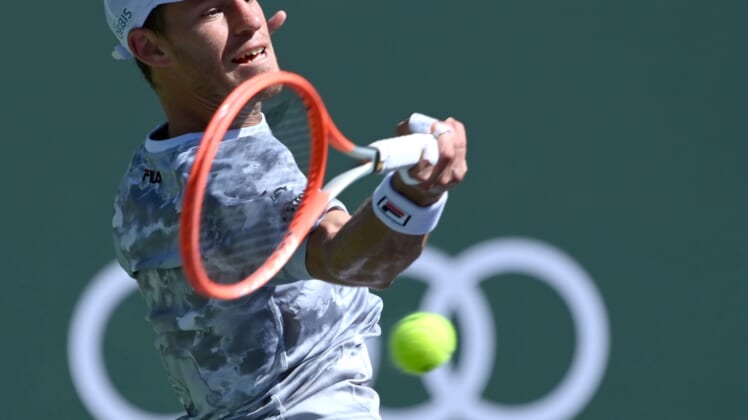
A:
(421, 342)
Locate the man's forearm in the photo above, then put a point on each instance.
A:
(364, 250)
(360, 250)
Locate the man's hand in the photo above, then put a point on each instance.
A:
(448, 171)
(276, 21)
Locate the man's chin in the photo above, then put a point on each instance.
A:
(244, 73)
(247, 72)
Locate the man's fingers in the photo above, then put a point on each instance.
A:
(451, 167)
(443, 167)
(440, 176)
(276, 21)
(459, 162)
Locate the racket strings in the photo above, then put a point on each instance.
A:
(237, 238)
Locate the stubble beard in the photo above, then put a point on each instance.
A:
(211, 84)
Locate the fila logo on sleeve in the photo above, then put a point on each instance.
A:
(393, 212)
(153, 177)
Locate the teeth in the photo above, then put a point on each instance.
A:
(254, 53)
(251, 55)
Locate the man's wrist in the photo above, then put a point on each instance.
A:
(415, 193)
(403, 215)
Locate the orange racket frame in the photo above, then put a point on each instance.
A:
(323, 134)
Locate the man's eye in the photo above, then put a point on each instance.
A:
(213, 12)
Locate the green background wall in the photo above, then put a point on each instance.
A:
(613, 131)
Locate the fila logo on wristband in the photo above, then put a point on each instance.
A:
(393, 212)
(402, 215)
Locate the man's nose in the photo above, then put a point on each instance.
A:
(246, 17)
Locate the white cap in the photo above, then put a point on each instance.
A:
(124, 15)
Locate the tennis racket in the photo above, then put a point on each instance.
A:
(234, 261)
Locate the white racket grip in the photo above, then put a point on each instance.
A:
(420, 123)
(405, 151)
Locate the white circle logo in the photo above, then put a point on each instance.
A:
(109, 287)
(452, 289)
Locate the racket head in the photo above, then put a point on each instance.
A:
(321, 133)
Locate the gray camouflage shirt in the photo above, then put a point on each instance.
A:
(294, 348)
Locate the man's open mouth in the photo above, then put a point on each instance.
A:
(252, 55)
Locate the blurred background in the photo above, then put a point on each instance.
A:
(594, 260)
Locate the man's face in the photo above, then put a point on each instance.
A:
(217, 44)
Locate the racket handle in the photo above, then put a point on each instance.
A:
(420, 123)
(405, 151)
(401, 153)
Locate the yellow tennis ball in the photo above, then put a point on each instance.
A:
(421, 342)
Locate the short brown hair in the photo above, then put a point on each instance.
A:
(156, 23)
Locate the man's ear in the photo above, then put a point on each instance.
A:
(147, 47)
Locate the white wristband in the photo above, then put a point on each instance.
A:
(402, 215)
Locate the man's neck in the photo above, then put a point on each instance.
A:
(183, 119)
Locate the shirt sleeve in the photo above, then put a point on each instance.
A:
(296, 268)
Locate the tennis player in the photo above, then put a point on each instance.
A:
(294, 349)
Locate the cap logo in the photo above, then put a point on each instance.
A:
(121, 23)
